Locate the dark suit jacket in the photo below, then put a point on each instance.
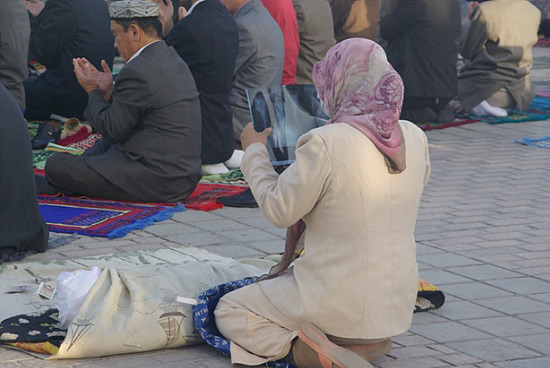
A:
(21, 225)
(66, 29)
(259, 61)
(154, 124)
(207, 40)
(423, 40)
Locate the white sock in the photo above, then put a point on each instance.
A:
(235, 161)
(484, 108)
(214, 169)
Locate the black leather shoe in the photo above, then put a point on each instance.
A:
(244, 199)
(44, 135)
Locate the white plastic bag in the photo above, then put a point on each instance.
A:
(72, 289)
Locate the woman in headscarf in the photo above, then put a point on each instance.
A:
(355, 188)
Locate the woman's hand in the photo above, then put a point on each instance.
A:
(249, 135)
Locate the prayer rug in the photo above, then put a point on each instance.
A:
(205, 196)
(535, 142)
(99, 217)
(538, 110)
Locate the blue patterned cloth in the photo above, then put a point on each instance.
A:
(203, 315)
(536, 142)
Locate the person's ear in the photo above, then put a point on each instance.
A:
(134, 31)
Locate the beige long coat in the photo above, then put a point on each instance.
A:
(358, 277)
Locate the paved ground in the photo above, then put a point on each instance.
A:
(483, 237)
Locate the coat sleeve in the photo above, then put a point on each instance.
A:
(247, 49)
(131, 99)
(50, 31)
(399, 20)
(284, 199)
(475, 37)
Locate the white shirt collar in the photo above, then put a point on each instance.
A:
(193, 6)
(139, 51)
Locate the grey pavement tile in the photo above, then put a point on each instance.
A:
(249, 235)
(475, 290)
(461, 310)
(163, 230)
(493, 350)
(220, 225)
(448, 331)
(411, 340)
(426, 249)
(484, 272)
(505, 326)
(459, 359)
(446, 260)
(526, 363)
(412, 352)
(541, 319)
(522, 286)
(514, 305)
(424, 362)
(441, 277)
(194, 215)
(427, 318)
(268, 247)
(540, 343)
(542, 297)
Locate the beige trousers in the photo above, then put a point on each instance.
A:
(258, 331)
(503, 99)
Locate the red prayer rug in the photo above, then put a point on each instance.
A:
(205, 197)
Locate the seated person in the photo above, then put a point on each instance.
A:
(21, 225)
(260, 57)
(15, 35)
(355, 188)
(284, 14)
(316, 36)
(206, 38)
(150, 120)
(498, 46)
(61, 31)
(422, 45)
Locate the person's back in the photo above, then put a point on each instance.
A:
(358, 208)
(422, 38)
(259, 61)
(284, 14)
(21, 225)
(207, 40)
(14, 44)
(498, 44)
(66, 29)
(316, 36)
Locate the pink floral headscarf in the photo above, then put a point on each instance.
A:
(359, 87)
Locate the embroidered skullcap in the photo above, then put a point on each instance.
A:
(128, 9)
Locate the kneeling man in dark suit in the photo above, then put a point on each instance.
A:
(150, 119)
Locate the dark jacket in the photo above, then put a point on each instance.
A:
(21, 225)
(207, 40)
(63, 30)
(423, 40)
(154, 125)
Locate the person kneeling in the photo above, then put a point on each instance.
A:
(354, 191)
(150, 119)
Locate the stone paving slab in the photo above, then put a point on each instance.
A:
(483, 238)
